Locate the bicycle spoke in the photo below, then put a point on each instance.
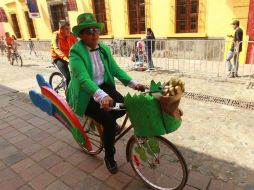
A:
(92, 133)
(158, 164)
(94, 139)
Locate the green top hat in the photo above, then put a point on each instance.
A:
(86, 20)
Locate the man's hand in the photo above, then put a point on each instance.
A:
(107, 102)
(230, 36)
(141, 87)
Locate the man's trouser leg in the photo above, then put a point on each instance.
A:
(107, 119)
(149, 58)
(236, 63)
(229, 56)
(9, 54)
(63, 67)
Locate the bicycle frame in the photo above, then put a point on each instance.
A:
(125, 131)
(55, 105)
(54, 64)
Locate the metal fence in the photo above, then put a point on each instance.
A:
(195, 57)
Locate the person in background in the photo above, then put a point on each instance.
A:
(139, 52)
(2, 45)
(235, 50)
(150, 47)
(14, 38)
(92, 88)
(31, 47)
(8, 42)
(61, 42)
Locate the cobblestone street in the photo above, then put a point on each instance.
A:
(37, 152)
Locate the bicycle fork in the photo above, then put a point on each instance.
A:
(145, 152)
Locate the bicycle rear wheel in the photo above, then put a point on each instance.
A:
(13, 58)
(19, 60)
(157, 162)
(57, 81)
(93, 132)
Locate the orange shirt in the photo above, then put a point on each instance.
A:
(61, 46)
(9, 40)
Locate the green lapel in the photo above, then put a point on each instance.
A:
(104, 60)
(86, 56)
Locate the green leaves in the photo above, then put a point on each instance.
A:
(141, 152)
(155, 87)
(151, 146)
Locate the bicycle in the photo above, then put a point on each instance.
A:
(15, 57)
(58, 81)
(156, 160)
(121, 48)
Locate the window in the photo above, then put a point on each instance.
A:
(186, 16)
(57, 14)
(137, 16)
(3, 17)
(100, 14)
(30, 25)
(71, 5)
(15, 25)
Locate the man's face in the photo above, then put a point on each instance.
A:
(7, 35)
(90, 36)
(66, 30)
(234, 26)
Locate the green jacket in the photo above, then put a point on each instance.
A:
(81, 87)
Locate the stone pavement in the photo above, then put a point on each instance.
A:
(36, 152)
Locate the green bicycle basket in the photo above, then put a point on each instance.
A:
(147, 117)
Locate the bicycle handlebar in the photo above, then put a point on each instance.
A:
(117, 107)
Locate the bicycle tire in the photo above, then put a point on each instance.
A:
(19, 60)
(58, 86)
(179, 179)
(12, 59)
(125, 51)
(94, 134)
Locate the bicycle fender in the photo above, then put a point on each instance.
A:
(132, 138)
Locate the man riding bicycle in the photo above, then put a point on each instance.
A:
(92, 87)
(61, 42)
(8, 41)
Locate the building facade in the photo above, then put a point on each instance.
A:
(129, 18)
(180, 19)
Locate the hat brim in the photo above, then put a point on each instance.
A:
(77, 29)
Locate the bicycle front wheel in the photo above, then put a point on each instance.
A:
(157, 162)
(57, 81)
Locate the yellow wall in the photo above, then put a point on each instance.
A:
(214, 20)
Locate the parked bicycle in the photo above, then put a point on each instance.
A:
(58, 81)
(120, 47)
(156, 160)
(15, 57)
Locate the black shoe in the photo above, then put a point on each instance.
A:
(232, 76)
(111, 165)
(236, 75)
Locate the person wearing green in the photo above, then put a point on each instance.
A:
(92, 88)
